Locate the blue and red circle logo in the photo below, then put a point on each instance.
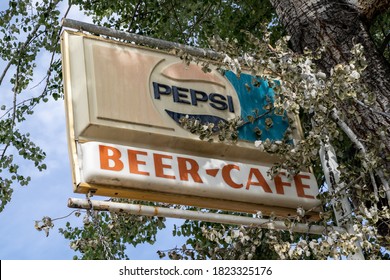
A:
(181, 90)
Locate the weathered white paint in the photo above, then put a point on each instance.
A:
(152, 170)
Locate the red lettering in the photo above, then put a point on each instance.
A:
(160, 166)
(106, 159)
(261, 182)
(192, 170)
(226, 170)
(279, 184)
(301, 187)
(134, 162)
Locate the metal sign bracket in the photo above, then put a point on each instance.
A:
(139, 209)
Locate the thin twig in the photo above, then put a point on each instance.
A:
(46, 78)
(134, 15)
(13, 120)
(257, 117)
(29, 39)
(60, 218)
(177, 21)
(384, 44)
(385, 114)
(204, 14)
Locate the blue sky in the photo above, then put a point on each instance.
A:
(47, 195)
(48, 192)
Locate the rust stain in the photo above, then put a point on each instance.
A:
(155, 211)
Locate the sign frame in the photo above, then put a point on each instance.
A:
(146, 195)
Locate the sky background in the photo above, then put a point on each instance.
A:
(48, 192)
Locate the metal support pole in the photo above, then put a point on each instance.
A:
(139, 39)
(332, 178)
(137, 209)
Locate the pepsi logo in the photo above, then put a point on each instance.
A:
(180, 90)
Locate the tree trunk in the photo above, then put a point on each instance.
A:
(339, 25)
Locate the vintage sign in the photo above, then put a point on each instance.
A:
(124, 106)
(117, 165)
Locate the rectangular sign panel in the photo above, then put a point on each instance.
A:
(124, 107)
(123, 166)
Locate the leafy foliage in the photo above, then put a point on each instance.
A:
(190, 22)
(26, 28)
(302, 87)
(104, 235)
(221, 242)
(381, 35)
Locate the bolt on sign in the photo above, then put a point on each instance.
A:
(124, 107)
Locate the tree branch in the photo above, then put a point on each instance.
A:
(46, 78)
(385, 114)
(385, 42)
(257, 117)
(177, 21)
(20, 51)
(360, 147)
(204, 14)
(134, 15)
(13, 120)
(15, 90)
(28, 40)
